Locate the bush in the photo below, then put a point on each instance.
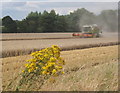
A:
(44, 64)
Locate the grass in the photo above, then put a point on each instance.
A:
(93, 69)
(90, 79)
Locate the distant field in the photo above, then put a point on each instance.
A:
(7, 36)
(12, 36)
(64, 40)
(94, 69)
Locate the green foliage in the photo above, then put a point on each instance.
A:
(22, 26)
(9, 25)
(32, 22)
(61, 24)
(37, 22)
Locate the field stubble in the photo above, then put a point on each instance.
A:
(21, 47)
(88, 69)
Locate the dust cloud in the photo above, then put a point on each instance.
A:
(107, 20)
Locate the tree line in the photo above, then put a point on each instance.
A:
(37, 22)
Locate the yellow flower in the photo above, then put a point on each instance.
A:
(55, 46)
(40, 53)
(40, 58)
(54, 71)
(52, 63)
(62, 72)
(48, 59)
(58, 67)
(34, 53)
(52, 59)
(29, 70)
(26, 65)
(44, 67)
(31, 60)
(32, 64)
(44, 72)
(23, 71)
(49, 65)
(46, 55)
(57, 55)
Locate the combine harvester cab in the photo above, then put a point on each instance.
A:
(89, 31)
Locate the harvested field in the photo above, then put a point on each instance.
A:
(18, 52)
(20, 47)
(22, 36)
(94, 69)
(32, 36)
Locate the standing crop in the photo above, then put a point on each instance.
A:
(45, 63)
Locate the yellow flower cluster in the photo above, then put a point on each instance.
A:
(45, 62)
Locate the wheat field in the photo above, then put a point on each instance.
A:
(20, 46)
(94, 69)
(86, 68)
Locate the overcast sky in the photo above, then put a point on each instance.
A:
(19, 10)
(65, 0)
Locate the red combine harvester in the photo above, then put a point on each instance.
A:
(89, 31)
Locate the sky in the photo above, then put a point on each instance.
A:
(19, 9)
(65, 0)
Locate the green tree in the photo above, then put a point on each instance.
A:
(9, 25)
(22, 26)
(0, 25)
(48, 21)
(61, 24)
(32, 22)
